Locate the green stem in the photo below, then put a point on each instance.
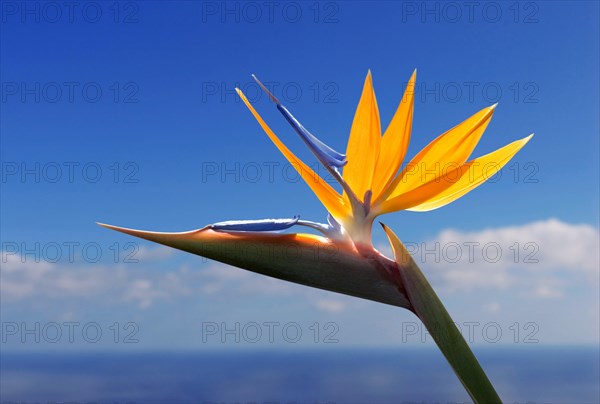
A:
(428, 307)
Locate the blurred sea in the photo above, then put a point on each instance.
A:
(523, 374)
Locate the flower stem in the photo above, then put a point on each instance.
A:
(428, 307)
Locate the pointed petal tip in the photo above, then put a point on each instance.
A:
(119, 229)
(525, 140)
(125, 230)
(139, 233)
(269, 94)
(108, 226)
(122, 229)
(178, 240)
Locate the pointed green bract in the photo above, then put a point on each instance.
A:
(305, 259)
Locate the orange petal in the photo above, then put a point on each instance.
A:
(421, 194)
(364, 142)
(395, 141)
(449, 150)
(479, 170)
(332, 201)
(454, 183)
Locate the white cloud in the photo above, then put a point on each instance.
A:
(542, 259)
(546, 291)
(330, 306)
(492, 307)
(33, 280)
(145, 253)
(551, 243)
(221, 278)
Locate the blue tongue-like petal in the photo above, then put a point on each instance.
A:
(331, 230)
(255, 225)
(323, 152)
(332, 157)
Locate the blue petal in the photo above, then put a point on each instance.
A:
(324, 153)
(255, 225)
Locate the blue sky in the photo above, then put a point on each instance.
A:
(127, 116)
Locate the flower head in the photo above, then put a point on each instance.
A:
(372, 181)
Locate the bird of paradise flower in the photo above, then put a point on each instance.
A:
(343, 259)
